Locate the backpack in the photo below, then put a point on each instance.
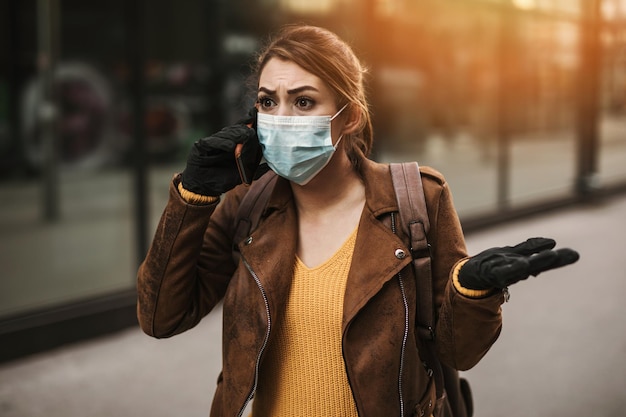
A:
(453, 393)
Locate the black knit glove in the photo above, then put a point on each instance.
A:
(501, 267)
(211, 168)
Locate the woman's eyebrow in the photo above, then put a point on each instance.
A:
(289, 92)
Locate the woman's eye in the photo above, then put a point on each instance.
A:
(304, 103)
(265, 102)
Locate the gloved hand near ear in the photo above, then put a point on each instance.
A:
(501, 267)
(211, 168)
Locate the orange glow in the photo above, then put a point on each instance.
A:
(524, 4)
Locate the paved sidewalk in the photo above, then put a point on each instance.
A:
(562, 352)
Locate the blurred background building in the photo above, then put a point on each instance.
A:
(520, 103)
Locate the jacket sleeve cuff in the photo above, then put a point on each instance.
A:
(193, 198)
(466, 291)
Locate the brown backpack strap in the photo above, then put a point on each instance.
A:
(251, 209)
(454, 396)
(407, 183)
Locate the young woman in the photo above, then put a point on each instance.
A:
(314, 316)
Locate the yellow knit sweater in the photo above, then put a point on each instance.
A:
(303, 373)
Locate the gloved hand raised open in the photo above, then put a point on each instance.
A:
(501, 267)
(211, 167)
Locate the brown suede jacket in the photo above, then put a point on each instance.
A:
(189, 269)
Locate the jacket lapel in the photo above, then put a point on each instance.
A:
(271, 249)
(373, 264)
(374, 261)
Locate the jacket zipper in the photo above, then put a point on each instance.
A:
(406, 326)
(265, 340)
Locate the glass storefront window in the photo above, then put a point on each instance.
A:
(66, 218)
(434, 96)
(543, 135)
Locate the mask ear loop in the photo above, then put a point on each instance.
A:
(338, 140)
(332, 118)
(340, 110)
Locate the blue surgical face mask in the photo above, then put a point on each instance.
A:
(296, 147)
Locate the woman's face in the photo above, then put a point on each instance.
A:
(286, 89)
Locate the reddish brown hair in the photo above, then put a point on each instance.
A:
(325, 55)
